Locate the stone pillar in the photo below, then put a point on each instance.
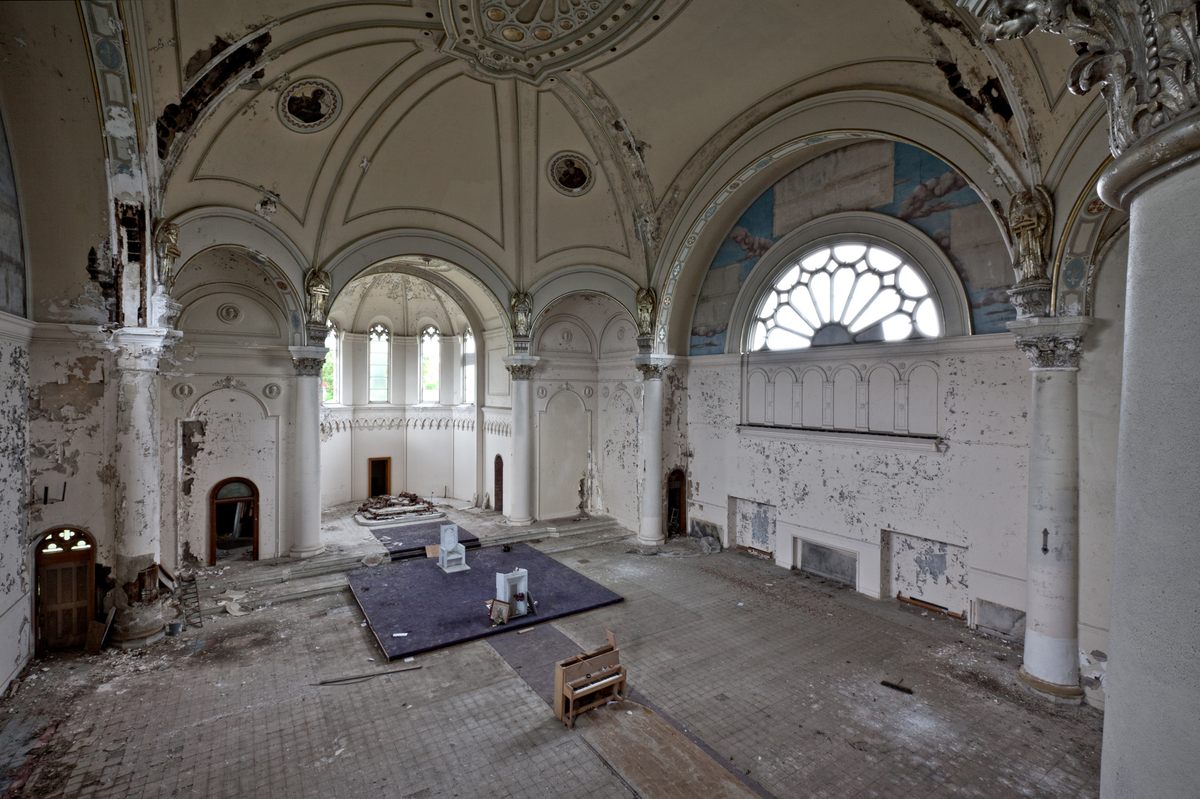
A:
(650, 527)
(306, 462)
(518, 481)
(1051, 665)
(138, 471)
(1152, 698)
(1145, 57)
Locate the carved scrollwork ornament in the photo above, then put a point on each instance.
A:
(652, 371)
(308, 367)
(1052, 351)
(1143, 54)
(520, 371)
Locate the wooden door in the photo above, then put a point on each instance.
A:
(65, 601)
(499, 484)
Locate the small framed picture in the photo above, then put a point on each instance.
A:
(499, 611)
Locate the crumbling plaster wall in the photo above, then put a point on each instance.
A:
(844, 490)
(217, 426)
(16, 634)
(72, 415)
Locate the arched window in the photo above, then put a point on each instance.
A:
(329, 371)
(848, 292)
(379, 351)
(468, 367)
(430, 346)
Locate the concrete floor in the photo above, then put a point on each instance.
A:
(777, 675)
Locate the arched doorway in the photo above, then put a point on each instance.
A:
(677, 502)
(65, 566)
(233, 520)
(499, 484)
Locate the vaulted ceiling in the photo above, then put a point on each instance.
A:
(336, 122)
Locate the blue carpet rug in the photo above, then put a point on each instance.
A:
(436, 609)
(410, 540)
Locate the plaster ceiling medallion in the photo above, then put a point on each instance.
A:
(309, 105)
(570, 173)
(530, 39)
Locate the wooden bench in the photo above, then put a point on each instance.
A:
(588, 680)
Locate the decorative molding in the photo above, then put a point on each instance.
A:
(928, 444)
(531, 39)
(1051, 342)
(308, 367)
(309, 105)
(272, 390)
(570, 173)
(1143, 54)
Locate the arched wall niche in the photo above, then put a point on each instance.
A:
(786, 141)
(583, 280)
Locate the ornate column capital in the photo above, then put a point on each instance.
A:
(1144, 54)
(308, 361)
(521, 367)
(140, 348)
(652, 367)
(1051, 342)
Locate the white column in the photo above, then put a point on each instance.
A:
(139, 619)
(1152, 686)
(449, 370)
(518, 486)
(306, 461)
(1051, 661)
(650, 527)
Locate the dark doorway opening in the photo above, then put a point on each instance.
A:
(499, 484)
(379, 477)
(233, 521)
(677, 502)
(65, 565)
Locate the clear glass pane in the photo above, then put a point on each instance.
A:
(843, 284)
(803, 303)
(849, 253)
(787, 317)
(758, 338)
(769, 305)
(431, 360)
(883, 260)
(884, 303)
(781, 339)
(897, 327)
(816, 261)
(819, 287)
(864, 290)
(927, 318)
(789, 279)
(912, 283)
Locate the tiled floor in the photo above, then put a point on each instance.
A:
(776, 673)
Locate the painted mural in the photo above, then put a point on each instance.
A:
(890, 178)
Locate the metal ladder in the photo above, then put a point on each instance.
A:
(189, 600)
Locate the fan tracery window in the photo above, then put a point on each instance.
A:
(846, 293)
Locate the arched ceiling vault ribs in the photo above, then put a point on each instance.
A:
(621, 157)
(343, 125)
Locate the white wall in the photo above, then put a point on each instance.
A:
(16, 633)
(844, 489)
(1099, 413)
